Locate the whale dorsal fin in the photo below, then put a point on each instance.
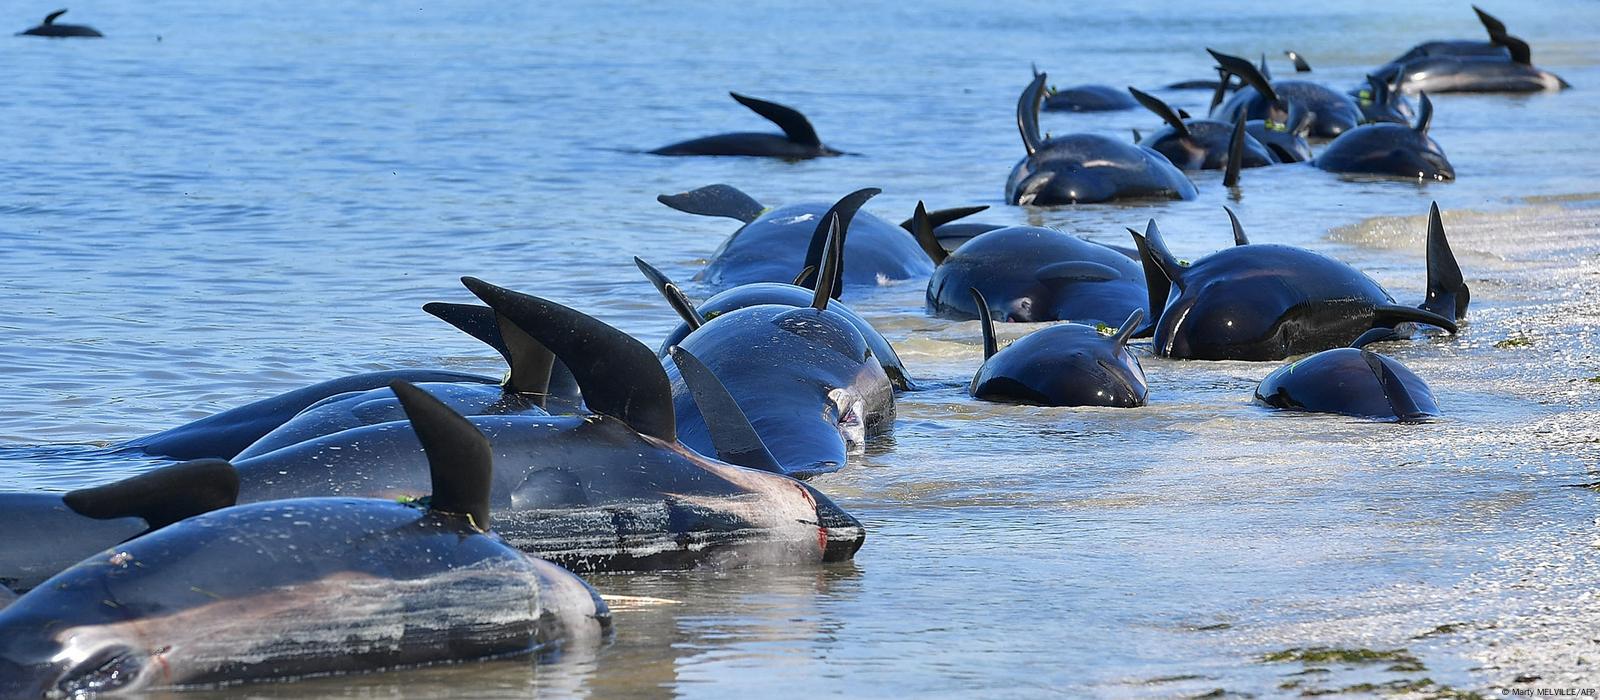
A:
(1128, 328)
(618, 375)
(1137, 137)
(734, 439)
(1424, 113)
(51, 18)
(715, 200)
(1157, 286)
(1491, 24)
(922, 229)
(940, 217)
(1300, 65)
(674, 295)
(805, 273)
(1251, 75)
(460, 461)
(792, 122)
(531, 364)
(986, 322)
(832, 265)
(1266, 71)
(845, 210)
(1448, 295)
(1235, 164)
(1161, 109)
(1400, 401)
(1221, 90)
(1075, 270)
(1028, 113)
(1238, 231)
(1168, 263)
(163, 496)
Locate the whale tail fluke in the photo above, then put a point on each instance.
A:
(1161, 109)
(1300, 64)
(163, 496)
(1448, 295)
(715, 200)
(735, 440)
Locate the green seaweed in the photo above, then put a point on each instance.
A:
(1516, 341)
(1334, 655)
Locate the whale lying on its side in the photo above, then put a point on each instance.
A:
(302, 587)
(1504, 63)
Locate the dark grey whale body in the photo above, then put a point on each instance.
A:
(1504, 63)
(1069, 364)
(1394, 150)
(301, 587)
(1333, 112)
(1085, 168)
(49, 28)
(798, 141)
(1350, 381)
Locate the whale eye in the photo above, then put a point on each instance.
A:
(105, 671)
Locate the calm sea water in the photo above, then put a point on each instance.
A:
(223, 200)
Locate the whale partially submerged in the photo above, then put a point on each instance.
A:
(302, 587)
(798, 141)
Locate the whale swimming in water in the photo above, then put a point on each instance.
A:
(805, 377)
(1200, 144)
(609, 490)
(1269, 301)
(302, 587)
(1085, 168)
(1333, 112)
(1351, 381)
(799, 139)
(48, 532)
(49, 28)
(1069, 364)
(1030, 274)
(775, 243)
(1502, 64)
(1397, 150)
(757, 293)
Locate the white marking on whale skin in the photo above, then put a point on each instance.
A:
(796, 219)
(321, 624)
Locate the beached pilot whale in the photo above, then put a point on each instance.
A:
(1085, 98)
(49, 28)
(1085, 168)
(1200, 144)
(805, 377)
(798, 141)
(534, 376)
(1030, 274)
(1070, 364)
(1270, 301)
(44, 533)
(1333, 112)
(612, 489)
(302, 587)
(1396, 150)
(1502, 64)
(1352, 381)
(775, 243)
(694, 316)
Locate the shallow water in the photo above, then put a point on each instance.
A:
(220, 202)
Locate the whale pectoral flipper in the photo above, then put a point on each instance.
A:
(163, 496)
(1448, 295)
(1028, 113)
(1126, 331)
(1491, 24)
(845, 210)
(735, 440)
(1391, 315)
(791, 121)
(1075, 270)
(940, 217)
(715, 200)
(618, 375)
(674, 295)
(986, 322)
(460, 461)
(1160, 109)
(1400, 401)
